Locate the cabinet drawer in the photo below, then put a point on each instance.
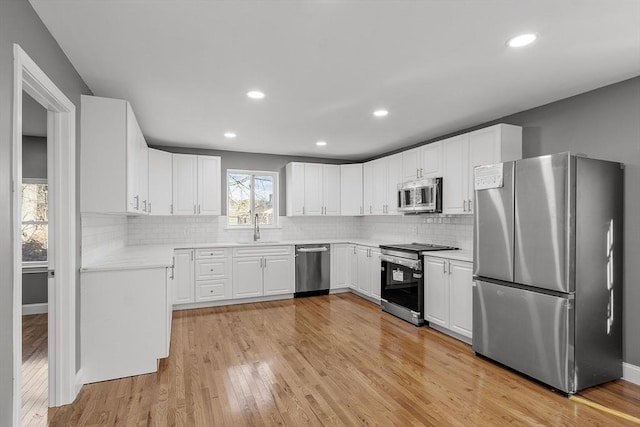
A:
(253, 251)
(211, 253)
(213, 290)
(213, 269)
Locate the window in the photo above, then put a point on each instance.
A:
(35, 224)
(251, 193)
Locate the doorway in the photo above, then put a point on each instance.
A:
(63, 380)
(34, 234)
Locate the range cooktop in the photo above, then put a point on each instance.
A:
(417, 247)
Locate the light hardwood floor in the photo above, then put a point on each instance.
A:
(34, 370)
(331, 360)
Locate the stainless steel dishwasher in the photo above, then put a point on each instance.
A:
(313, 269)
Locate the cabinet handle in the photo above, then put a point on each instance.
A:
(171, 208)
(469, 205)
(354, 250)
(144, 203)
(370, 209)
(444, 267)
(421, 172)
(361, 210)
(464, 205)
(198, 209)
(149, 207)
(191, 255)
(303, 212)
(194, 209)
(137, 199)
(417, 173)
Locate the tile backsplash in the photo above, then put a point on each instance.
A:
(102, 234)
(454, 230)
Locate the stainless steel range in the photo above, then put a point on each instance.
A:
(403, 279)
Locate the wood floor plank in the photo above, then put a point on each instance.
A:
(327, 361)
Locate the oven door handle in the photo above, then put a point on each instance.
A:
(409, 263)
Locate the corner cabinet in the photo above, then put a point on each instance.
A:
(351, 201)
(196, 185)
(381, 179)
(114, 158)
(462, 153)
(448, 296)
(160, 182)
(313, 189)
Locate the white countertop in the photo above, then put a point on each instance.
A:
(458, 254)
(161, 256)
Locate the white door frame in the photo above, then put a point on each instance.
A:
(61, 161)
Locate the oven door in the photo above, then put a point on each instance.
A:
(403, 282)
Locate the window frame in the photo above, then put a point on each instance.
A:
(36, 265)
(276, 198)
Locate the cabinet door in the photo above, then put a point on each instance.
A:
(411, 164)
(353, 266)
(183, 277)
(368, 187)
(351, 189)
(484, 149)
(379, 190)
(394, 177)
(160, 182)
(331, 189)
(208, 185)
(295, 189)
(340, 264)
(185, 179)
(247, 277)
(364, 277)
(374, 273)
(279, 275)
(313, 189)
(461, 297)
(432, 160)
(133, 153)
(436, 292)
(455, 182)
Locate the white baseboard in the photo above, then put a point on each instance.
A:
(631, 373)
(79, 381)
(35, 308)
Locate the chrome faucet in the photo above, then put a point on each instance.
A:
(256, 230)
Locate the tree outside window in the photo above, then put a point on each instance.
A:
(251, 193)
(35, 223)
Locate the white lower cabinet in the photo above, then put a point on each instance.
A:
(183, 289)
(267, 270)
(340, 266)
(125, 322)
(212, 274)
(367, 280)
(448, 294)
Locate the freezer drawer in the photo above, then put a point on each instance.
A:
(527, 331)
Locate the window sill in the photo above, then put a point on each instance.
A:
(34, 268)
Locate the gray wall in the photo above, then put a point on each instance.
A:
(34, 157)
(34, 165)
(252, 161)
(603, 124)
(20, 24)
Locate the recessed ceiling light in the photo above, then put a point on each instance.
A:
(255, 94)
(521, 40)
(321, 143)
(381, 113)
(230, 135)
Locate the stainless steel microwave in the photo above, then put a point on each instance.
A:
(422, 196)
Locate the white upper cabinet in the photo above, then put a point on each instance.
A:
(313, 189)
(422, 162)
(185, 184)
(461, 154)
(160, 182)
(209, 185)
(196, 185)
(351, 197)
(114, 162)
(381, 179)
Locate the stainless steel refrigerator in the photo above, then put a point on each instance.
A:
(547, 296)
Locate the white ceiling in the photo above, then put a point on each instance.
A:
(437, 66)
